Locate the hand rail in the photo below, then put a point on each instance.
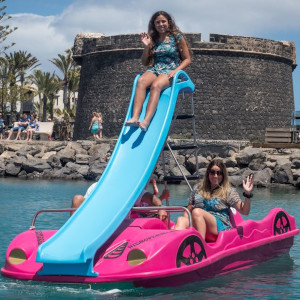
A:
(148, 209)
(48, 210)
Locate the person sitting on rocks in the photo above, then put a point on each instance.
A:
(21, 126)
(145, 199)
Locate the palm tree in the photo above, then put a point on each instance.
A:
(65, 64)
(5, 30)
(47, 87)
(21, 62)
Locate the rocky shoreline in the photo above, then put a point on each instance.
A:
(86, 160)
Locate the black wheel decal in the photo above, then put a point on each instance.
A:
(281, 223)
(191, 251)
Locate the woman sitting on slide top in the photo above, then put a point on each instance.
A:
(210, 201)
(165, 52)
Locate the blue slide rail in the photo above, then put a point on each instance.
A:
(71, 250)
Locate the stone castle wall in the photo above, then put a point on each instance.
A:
(243, 84)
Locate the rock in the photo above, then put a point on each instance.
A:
(96, 170)
(263, 178)
(8, 154)
(176, 171)
(297, 183)
(78, 149)
(54, 161)
(282, 172)
(19, 160)
(2, 148)
(217, 150)
(32, 150)
(248, 154)
(232, 171)
(66, 155)
(47, 155)
(22, 175)
(61, 173)
(257, 164)
(230, 162)
(270, 165)
(12, 170)
(191, 163)
(82, 159)
(296, 163)
(235, 180)
(99, 153)
(34, 175)
(77, 168)
(56, 147)
(12, 147)
(295, 155)
(2, 168)
(35, 164)
(296, 174)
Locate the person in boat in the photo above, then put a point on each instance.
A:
(210, 201)
(165, 52)
(145, 199)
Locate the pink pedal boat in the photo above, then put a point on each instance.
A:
(148, 253)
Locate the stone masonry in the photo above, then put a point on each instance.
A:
(243, 84)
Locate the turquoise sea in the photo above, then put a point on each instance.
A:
(20, 199)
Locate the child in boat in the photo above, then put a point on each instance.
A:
(165, 52)
(145, 199)
(210, 201)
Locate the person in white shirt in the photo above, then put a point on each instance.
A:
(145, 199)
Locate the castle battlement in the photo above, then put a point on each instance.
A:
(243, 84)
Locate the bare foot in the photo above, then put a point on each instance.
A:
(143, 125)
(132, 122)
(155, 189)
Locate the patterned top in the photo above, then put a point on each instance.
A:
(166, 56)
(216, 206)
(1, 123)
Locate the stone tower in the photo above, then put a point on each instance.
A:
(243, 84)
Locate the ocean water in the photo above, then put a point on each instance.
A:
(20, 199)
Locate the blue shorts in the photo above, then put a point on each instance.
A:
(18, 127)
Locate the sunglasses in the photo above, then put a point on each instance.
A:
(214, 172)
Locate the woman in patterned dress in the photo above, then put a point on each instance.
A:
(94, 126)
(165, 52)
(210, 201)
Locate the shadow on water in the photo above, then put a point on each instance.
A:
(269, 280)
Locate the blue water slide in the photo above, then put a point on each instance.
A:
(71, 250)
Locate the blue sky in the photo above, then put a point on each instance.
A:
(48, 27)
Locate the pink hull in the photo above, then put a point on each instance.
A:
(148, 254)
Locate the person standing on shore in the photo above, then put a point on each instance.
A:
(94, 126)
(100, 127)
(165, 52)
